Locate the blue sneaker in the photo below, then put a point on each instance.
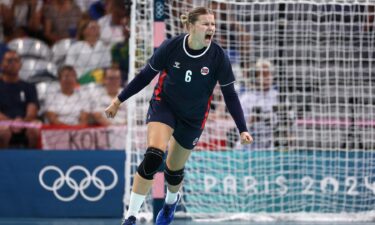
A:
(166, 214)
(129, 221)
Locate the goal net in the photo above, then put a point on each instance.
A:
(305, 78)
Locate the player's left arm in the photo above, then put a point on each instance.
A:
(234, 107)
(226, 80)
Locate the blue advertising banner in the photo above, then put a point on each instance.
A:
(271, 181)
(61, 183)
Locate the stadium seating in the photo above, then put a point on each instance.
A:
(36, 70)
(60, 49)
(30, 48)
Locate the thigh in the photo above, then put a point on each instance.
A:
(177, 155)
(160, 111)
(158, 135)
(160, 125)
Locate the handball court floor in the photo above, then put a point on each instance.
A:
(25, 221)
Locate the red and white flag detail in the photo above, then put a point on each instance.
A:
(205, 71)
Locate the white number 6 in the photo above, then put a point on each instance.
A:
(188, 76)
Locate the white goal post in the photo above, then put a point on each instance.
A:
(314, 126)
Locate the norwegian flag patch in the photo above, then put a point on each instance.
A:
(205, 71)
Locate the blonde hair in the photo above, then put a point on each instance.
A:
(192, 16)
(263, 62)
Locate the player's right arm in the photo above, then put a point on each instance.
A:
(137, 84)
(147, 74)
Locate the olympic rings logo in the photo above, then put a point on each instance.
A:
(78, 188)
(159, 10)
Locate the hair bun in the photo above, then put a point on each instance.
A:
(184, 19)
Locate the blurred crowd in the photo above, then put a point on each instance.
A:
(86, 34)
(61, 63)
(270, 118)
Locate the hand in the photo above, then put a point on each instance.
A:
(112, 109)
(246, 138)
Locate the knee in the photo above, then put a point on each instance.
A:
(153, 159)
(174, 177)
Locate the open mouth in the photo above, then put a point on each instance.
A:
(208, 37)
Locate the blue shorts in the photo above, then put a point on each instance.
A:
(186, 135)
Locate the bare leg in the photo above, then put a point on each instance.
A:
(158, 135)
(176, 159)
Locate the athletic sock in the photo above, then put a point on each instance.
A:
(171, 197)
(136, 201)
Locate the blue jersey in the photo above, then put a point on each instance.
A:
(186, 81)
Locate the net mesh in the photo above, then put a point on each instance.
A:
(312, 116)
(141, 48)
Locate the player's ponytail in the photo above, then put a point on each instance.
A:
(184, 20)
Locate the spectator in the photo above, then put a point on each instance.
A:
(258, 104)
(61, 18)
(18, 105)
(120, 52)
(111, 27)
(6, 22)
(111, 88)
(89, 53)
(26, 18)
(68, 105)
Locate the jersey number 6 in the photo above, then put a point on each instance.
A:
(188, 76)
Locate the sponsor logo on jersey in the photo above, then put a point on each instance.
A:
(205, 71)
(176, 65)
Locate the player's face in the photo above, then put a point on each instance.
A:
(203, 30)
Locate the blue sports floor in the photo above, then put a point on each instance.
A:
(15, 221)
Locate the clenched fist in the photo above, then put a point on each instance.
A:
(246, 138)
(112, 109)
